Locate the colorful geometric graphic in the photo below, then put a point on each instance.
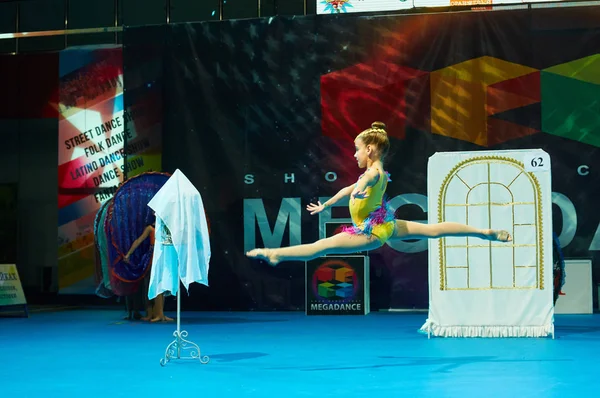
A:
(335, 281)
(486, 101)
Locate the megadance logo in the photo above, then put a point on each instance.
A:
(335, 282)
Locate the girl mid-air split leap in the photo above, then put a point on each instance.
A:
(373, 219)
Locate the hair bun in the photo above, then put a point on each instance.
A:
(378, 125)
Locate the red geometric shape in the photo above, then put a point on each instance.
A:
(513, 93)
(500, 131)
(325, 274)
(353, 98)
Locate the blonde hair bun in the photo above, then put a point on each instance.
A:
(378, 125)
(377, 136)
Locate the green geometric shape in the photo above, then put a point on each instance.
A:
(571, 107)
(585, 69)
(325, 290)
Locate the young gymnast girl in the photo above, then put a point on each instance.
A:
(373, 220)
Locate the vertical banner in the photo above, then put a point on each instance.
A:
(100, 145)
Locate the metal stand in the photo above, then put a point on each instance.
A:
(180, 343)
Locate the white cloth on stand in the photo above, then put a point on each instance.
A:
(479, 288)
(182, 245)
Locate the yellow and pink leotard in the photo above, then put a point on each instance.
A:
(373, 215)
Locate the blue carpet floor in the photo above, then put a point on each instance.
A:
(92, 353)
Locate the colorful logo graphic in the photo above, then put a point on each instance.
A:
(335, 282)
(338, 6)
(503, 100)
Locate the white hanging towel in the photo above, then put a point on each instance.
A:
(182, 245)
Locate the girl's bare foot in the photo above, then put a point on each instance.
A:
(501, 235)
(163, 318)
(264, 254)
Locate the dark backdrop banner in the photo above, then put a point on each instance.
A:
(261, 115)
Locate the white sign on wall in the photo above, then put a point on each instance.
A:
(353, 6)
(347, 6)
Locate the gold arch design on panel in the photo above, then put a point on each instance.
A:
(537, 208)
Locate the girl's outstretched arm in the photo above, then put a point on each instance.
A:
(341, 195)
(319, 207)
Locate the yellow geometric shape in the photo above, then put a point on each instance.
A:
(459, 93)
(343, 274)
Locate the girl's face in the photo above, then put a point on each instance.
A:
(362, 153)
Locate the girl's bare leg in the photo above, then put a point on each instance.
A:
(415, 230)
(342, 243)
(159, 305)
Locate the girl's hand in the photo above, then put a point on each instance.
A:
(315, 209)
(126, 258)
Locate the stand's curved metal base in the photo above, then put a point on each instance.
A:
(180, 343)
